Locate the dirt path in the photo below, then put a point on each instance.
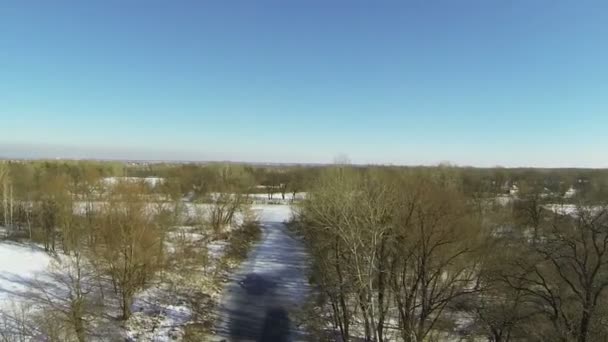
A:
(262, 297)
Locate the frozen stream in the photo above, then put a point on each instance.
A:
(260, 301)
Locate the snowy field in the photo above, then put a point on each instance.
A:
(20, 265)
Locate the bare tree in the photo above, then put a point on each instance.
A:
(68, 295)
(222, 209)
(436, 263)
(389, 251)
(129, 243)
(566, 275)
(7, 194)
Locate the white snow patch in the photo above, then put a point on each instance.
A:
(504, 200)
(20, 265)
(570, 193)
(216, 249)
(273, 213)
(573, 209)
(151, 181)
(277, 195)
(155, 320)
(563, 209)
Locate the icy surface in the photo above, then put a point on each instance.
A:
(262, 297)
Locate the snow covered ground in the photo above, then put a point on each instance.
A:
(276, 266)
(20, 265)
(163, 310)
(263, 198)
(273, 213)
(159, 314)
(263, 296)
(150, 181)
(275, 196)
(573, 209)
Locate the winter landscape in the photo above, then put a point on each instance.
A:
(228, 252)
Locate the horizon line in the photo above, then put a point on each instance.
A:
(311, 164)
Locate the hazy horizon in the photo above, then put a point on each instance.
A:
(503, 83)
(28, 152)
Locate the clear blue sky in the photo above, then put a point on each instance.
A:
(487, 82)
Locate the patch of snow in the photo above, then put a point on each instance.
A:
(154, 319)
(273, 213)
(264, 198)
(151, 181)
(562, 209)
(216, 249)
(573, 209)
(20, 265)
(570, 193)
(504, 200)
(278, 195)
(188, 233)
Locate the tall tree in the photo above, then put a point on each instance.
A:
(566, 276)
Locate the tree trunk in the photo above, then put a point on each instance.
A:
(126, 306)
(366, 321)
(11, 204)
(5, 202)
(79, 328)
(584, 325)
